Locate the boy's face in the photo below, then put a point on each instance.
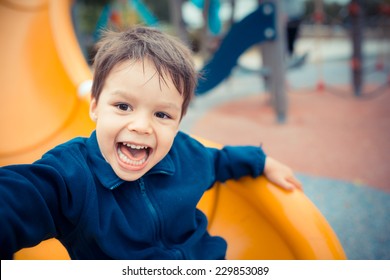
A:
(137, 118)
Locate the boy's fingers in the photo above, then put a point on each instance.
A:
(286, 185)
(297, 184)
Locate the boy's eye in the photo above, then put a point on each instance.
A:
(162, 115)
(123, 107)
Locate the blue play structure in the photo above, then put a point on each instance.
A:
(138, 5)
(255, 28)
(143, 11)
(214, 21)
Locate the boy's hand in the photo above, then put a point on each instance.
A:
(281, 175)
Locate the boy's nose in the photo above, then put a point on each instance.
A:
(140, 125)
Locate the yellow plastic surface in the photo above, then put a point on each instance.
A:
(42, 68)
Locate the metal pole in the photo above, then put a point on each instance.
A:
(274, 53)
(356, 13)
(177, 19)
(319, 21)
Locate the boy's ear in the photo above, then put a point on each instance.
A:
(93, 110)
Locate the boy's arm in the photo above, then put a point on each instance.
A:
(234, 162)
(29, 206)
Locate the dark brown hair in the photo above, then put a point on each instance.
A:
(169, 56)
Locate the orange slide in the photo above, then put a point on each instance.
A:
(42, 76)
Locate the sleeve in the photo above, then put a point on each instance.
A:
(40, 201)
(229, 162)
(28, 206)
(234, 162)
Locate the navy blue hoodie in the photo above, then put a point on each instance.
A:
(73, 194)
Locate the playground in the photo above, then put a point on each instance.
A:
(336, 140)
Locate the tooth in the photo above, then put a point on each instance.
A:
(136, 147)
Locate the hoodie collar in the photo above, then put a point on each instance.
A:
(106, 175)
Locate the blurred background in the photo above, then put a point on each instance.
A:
(202, 23)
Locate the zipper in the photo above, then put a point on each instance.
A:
(156, 220)
(152, 211)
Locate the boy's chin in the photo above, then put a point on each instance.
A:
(130, 176)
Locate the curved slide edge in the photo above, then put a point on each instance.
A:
(304, 230)
(67, 45)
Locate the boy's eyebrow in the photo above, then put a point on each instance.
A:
(119, 93)
(169, 105)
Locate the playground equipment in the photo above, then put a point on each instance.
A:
(356, 17)
(110, 13)
(214, 24)
(264, 25)
(43, 72)
(240, 37)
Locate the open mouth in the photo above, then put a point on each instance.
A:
(132, 154)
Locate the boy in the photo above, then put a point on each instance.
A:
(130, 190)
